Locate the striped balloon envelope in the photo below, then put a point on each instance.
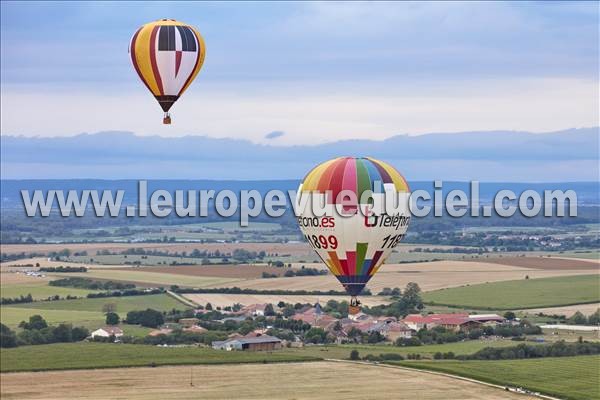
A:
(167, 55)
(343, 213)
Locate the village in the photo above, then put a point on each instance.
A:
(310, 325)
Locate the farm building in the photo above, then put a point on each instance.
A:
(487, 319)
(245, 343)
(107, 332)
(454, 322)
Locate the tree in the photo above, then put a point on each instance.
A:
(269, 312)
(509, 315)
(112, 318)
(315, 335)
(8, 338)
(148, 318)
(354, 355)
(109, 308)
(36, 322)
(594, 319)
(578, 319)
(412, 296)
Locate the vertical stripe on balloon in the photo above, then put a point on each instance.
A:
(155, 71)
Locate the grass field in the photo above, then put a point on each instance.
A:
(11, 316)
(160, 302)
(39, 290)
(301, 381)
(105, 355)
(101, 355)
(566, 377)
(521, 294)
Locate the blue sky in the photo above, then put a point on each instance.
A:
(313, 71)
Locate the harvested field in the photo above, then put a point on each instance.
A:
(429, 276)
(142, 277)
(223, 300)
(221, 271)
(547, 263)
(586, 309)
(13, 278)
(257, 381)
(91, 248)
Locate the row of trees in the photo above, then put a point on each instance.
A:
(62, 268)
(37, 331)
(439, 334)
(557, 349)
(86, 283)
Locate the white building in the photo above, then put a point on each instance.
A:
(107, 332)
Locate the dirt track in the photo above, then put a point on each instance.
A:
(311, 381)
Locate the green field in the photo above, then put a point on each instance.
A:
(343, 351)
(40, 291)
(101, 355)
(160, 302)
(11, 316)
(526, 293)
(566, 377)
(105, 355)
(149, 278)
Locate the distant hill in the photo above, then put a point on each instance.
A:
(569, 155)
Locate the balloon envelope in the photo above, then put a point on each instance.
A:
(167, 55)
(353, 244)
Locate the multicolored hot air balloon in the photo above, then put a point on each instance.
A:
(355, 243)
(167, 55)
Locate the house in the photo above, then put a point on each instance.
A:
(245, 343)
(315, 316)
(188, 322)
(392, 330)
(107, 332)
(254, 310)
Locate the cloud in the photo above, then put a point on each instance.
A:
(274, 135)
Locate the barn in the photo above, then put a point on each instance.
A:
(257, 343)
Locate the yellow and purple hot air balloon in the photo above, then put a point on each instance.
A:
(167, 55)
(355, 244)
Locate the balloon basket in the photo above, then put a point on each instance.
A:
(353, 310)
(167, 119)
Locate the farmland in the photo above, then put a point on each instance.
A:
(39, 290)
(102, 355)
(140, 275)
(306, 381)
(566, 310)
(11, 316)
(161, 302)
(430, 276)
(573, 378)
(226, 299)
(525, 293)
(97, 355)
